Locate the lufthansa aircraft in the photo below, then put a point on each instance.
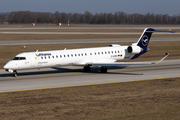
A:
(87, 57)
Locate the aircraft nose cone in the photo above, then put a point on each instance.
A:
(6, 66)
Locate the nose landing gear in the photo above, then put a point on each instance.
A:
(15, 74)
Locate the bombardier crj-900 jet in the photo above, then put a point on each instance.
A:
(87, 57)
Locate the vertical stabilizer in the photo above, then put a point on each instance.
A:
(145, 37)
(144, 40)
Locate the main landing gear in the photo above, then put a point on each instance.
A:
(103, 69)
(87, 68)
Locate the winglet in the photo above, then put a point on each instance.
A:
(161, 59)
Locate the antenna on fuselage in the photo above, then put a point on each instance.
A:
(36, 50)
(64, 48)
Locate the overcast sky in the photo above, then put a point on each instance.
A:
(171, 7)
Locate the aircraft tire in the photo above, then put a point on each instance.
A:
(87, 68)
(15, 73)
(103, 70)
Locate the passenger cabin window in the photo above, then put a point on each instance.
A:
(60, 56)
(56, 56)
(19, 58)
(71, 55)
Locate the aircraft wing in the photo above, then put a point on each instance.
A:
(127, 63)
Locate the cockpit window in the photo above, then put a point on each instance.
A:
(22, 58)
(19, 58)
(15, 58)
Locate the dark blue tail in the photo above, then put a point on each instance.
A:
(144, 40)
(145, 37)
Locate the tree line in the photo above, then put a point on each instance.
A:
(88, 18)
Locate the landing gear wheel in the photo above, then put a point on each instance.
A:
(87, 68)
(15, 73)
(103, 69)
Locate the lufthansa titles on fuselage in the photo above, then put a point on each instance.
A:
(43, 54)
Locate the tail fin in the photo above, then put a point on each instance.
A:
(146, 35)
(144, 40)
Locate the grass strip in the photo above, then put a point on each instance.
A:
(143, 100)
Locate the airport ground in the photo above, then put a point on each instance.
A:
(43, 33)
(141, 100)
(149, 99)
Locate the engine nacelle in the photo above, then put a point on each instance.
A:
(134, 49)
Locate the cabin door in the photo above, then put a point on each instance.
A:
(33, 60)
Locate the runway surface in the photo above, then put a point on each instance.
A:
(83, 33)
(29, 42)
(70, 76)
(98, 27)
(13, 31)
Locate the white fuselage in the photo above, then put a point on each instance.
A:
(79, 57)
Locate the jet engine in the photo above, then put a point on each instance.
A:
(134, 49)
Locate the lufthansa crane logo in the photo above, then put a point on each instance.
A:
(145, 40)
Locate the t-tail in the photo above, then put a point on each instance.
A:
(140, 47)
(145, 37)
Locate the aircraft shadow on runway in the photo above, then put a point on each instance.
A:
(94, 70)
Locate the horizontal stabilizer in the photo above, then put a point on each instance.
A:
(153, 30)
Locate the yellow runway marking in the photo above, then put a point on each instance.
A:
(88, 84)
(6, 32)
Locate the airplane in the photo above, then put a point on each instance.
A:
(87, 57)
